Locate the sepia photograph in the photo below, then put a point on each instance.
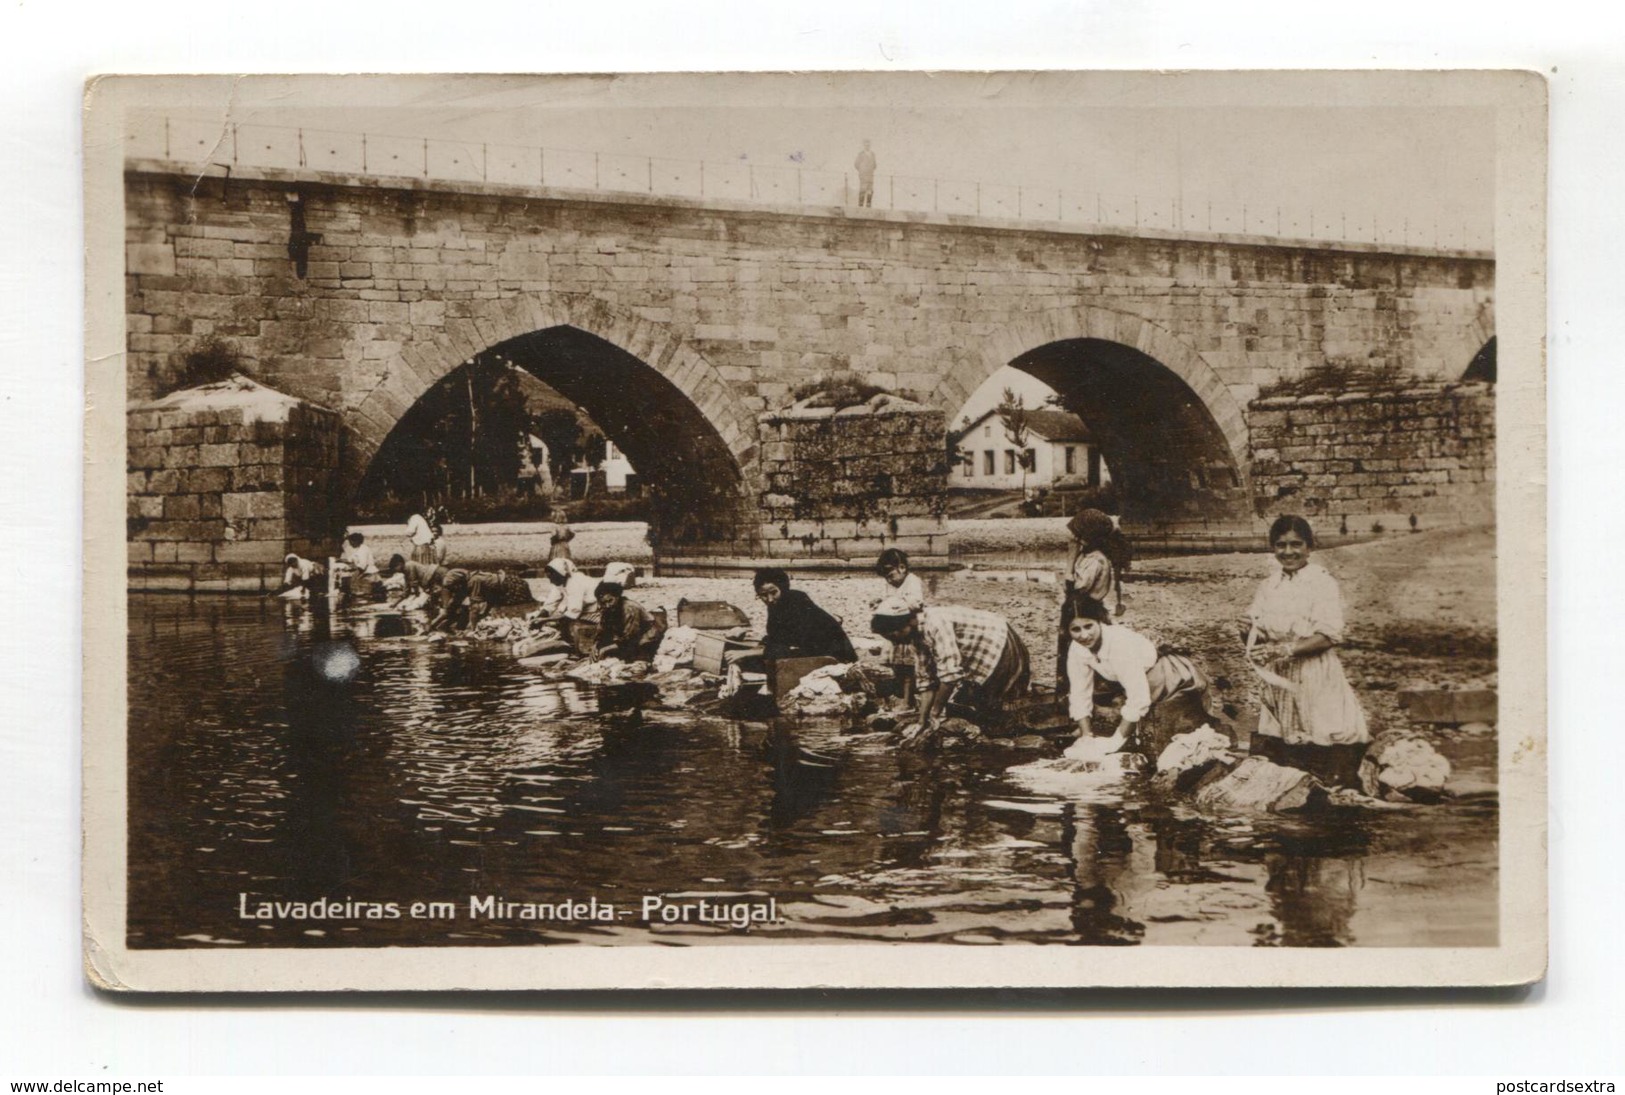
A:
(859, 529)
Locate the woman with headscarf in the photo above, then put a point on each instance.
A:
(1090, 579)
(576, 589)
(796, 627)
(571, 601)
(306, 576)
(956, 648)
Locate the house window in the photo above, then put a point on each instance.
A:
(1009, 461)
(1071, 460)
(987, 430)
(1029, 459)
(969, 465)
(987, 462)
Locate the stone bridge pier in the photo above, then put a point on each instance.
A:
(686, 329)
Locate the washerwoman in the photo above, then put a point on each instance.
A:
(1309, 717)
(1089, 581)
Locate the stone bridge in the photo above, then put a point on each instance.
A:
(676, 325)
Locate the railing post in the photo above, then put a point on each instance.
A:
(702, 178)
(650, 162)
(978, 199)
(301, 146)
(166, 138)
(1060, 200)
(595, 183)
(541, 166)
(1020, 193)
(234, 128)
(1136, 210)
(425, 157)
(485, 162)
(750, 175)
(363, 153)
(891, 191)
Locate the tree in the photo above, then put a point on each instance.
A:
(461, 438)
(561, 430)
(210, 360)
(1012, 412)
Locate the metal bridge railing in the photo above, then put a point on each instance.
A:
(192, 142)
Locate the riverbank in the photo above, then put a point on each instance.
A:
(1006, 541)
(1421, 607)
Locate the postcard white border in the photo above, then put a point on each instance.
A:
(1520, 103)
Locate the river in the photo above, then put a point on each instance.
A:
(278, 756)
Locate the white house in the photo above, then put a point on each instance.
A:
(1058, 448)
(617, 469)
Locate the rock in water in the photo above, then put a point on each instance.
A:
(544, 642)
(1403, 762)
(1255, 786)
(955, 731)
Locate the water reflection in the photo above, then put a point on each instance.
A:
(290, 755)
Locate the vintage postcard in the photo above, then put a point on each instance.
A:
(839, 530)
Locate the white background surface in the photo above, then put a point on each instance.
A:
(52, 1025)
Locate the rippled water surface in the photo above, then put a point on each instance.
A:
(287, 758)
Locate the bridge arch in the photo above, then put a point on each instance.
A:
(681, 425)
(1174, 435)
(1482, 367)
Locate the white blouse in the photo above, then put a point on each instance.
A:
(911, 592)
(1299, 605)
(1125, 657)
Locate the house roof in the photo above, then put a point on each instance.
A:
(1049, 425)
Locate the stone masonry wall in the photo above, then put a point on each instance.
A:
(1378, 457)
(217, 496)
(769, 298)
(849, 483)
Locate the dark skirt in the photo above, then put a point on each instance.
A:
(1333, 765)
(985, 701)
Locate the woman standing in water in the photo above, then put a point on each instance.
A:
(1310, 717)
(1089, 581)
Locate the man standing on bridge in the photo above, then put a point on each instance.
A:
(865, 163)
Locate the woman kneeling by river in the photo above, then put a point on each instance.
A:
(1309, 716)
